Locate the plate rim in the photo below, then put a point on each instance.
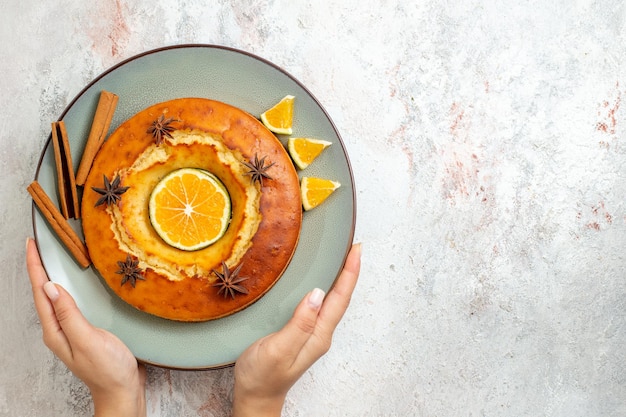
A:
(158, 50)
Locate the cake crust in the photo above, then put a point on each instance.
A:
(194, 297)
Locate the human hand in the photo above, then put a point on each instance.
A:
(101, 360)
(266, 371)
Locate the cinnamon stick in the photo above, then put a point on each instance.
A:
(66, 182)
(99, 128)
(60, 226)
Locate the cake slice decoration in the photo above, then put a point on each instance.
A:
(258, 169)
(162, 128)
(228, 281)
(112, 191)
(130, 271)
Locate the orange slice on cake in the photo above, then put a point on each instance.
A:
(190, 209)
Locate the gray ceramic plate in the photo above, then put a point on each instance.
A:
(250, 83)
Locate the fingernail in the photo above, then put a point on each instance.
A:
(27, 241)
(51, 290)
(316, 298)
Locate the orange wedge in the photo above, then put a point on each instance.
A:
(190, 209)
(279, 118)
(304, 150)
(315, 191)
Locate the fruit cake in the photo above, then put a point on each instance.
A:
(160, 266)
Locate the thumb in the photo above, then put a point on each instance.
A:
(294, 335)
(72, 322)
(305, 315)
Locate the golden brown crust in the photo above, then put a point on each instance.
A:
(273, 245)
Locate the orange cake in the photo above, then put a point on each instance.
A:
(228, 155)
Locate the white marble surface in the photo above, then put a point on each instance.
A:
(488, 145)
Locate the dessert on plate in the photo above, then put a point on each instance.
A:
(191, 210)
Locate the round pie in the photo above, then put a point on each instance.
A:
(242, 156)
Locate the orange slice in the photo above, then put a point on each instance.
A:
(190, 209)
(279, 118)
(304, 150)
(315, 191)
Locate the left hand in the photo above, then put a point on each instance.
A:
(97, 357)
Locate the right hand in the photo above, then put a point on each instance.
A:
(266, 371)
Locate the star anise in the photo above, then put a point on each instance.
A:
(111, 193)
(228, 281)
(161, 128)
(258, 169)
(130, 271)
